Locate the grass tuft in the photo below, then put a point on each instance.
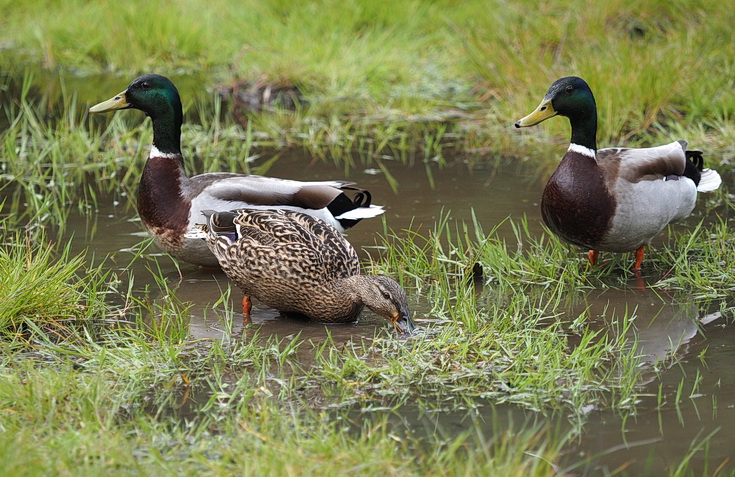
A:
(42, 288)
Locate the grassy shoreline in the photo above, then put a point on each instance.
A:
(659, 70)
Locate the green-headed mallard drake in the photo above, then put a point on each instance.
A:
(170, 202)
(614, 199)
(297, 263)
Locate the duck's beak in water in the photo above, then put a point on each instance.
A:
(403, 322)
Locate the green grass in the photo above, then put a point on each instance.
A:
(87, 424)
(654, 66)
(475, 349)
(139, 396)
(46, 289)
(702, 261)
(115, 402)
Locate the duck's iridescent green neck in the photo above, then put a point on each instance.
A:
(167, 129)
(158, 98)
(584, 127)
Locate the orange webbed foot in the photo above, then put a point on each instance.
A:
(593, 255)
(639, 258)
(247, 306)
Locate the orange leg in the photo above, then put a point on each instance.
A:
(593, 255)
(639, 258)
(247, 306)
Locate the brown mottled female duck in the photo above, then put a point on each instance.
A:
(297, 263)
(614, 199)
(170, 202)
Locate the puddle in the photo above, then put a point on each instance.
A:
(671, 333)
(661, 433)
(491, 193)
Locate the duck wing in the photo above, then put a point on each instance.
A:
(641, 164)
(301, 238)
(669, 162)
(324, 199)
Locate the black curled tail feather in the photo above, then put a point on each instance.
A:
(694, 165)
(362, 199)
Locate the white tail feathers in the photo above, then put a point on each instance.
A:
(362, 213)
(709, 181)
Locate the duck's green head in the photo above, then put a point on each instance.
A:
(158, 98)
(571, 97)
(155, 95)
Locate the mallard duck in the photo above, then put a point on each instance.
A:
(614, 199)
(297, 263)
(170, 202)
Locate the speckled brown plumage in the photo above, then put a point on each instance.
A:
(297, 263)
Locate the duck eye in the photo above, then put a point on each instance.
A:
(569, 89)
(386, 295)
(145, 85)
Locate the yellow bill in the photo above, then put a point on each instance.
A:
(112, 104)
(543, 112)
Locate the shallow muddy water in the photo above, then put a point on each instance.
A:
(114, 229)
(672, 330)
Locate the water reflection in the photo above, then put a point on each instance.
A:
(115, 230)
(667, 334)
(688, 410)
(662, 325)
(211, 320)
